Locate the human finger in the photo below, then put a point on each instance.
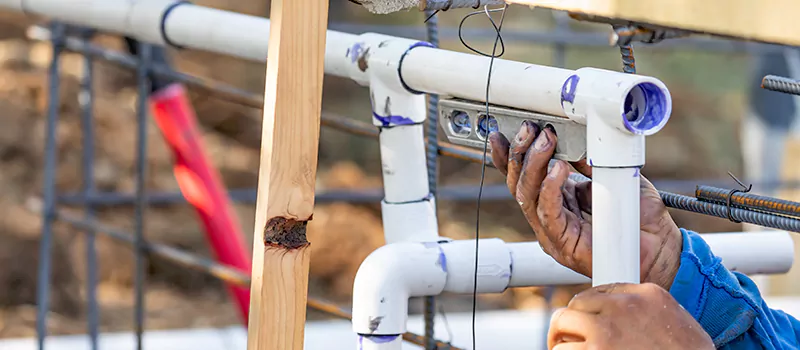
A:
(583, 167)
(550, 208)
(570, 326)
(500, 147)
(583, 192)
(570, 197)
(594, 300)
(516, 154)
(534, 170)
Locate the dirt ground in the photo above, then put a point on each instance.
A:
(342, 235)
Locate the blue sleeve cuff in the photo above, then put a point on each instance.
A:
(724, 303)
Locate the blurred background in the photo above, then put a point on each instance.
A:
(715, 128)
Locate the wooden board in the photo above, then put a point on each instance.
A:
(289, 147)
(772, 21)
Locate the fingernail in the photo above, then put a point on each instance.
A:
(541, 142)
(551, 128)
(524, 132)
(555, 170)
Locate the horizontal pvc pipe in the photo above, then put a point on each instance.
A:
(514, 84)
(447, 73)
(751, 253)
(395, 272)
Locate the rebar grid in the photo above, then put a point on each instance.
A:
(89, 198)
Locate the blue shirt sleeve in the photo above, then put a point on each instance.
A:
(728, 304)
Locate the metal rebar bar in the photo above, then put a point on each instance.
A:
(248, 195)
(49, 189)
(781, 84)
(143, 87)
(687, 203)
(432, 150)
(626, 51)
(748, 201)
(210, 267)
(86, 101)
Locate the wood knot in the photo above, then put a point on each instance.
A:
(285, 233)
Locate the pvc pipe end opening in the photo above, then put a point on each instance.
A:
(646, 109)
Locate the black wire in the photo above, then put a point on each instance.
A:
(498, 39)
(496, 29)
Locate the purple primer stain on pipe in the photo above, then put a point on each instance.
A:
(355, 52)
(377, 339)
(568, 89)
(636, 173)
(645, 108)
(442, 262)
(392, 120)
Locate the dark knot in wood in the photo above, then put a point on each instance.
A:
(285, 233)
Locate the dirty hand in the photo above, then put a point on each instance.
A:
(625, 316)
(559, 209)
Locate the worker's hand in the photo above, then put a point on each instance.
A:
(559, 209)
(625, 316)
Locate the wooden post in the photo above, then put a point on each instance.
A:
(289, 147)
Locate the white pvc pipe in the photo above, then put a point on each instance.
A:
(405, 173)
(514, 84)
(615, 238)
(395, 272)
(240, 35)
(448, 73)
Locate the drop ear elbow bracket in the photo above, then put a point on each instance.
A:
(465, 123)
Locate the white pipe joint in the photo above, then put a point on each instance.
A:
(376, 61)
(395, 272)
(388, 277)
(618, 109)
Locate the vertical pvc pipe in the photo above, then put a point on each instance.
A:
(200, 184)
(615, 230)
(49, 188)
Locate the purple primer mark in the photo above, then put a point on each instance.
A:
(648, 113)
(380, 339)
(355, 52)
(392, 120)
(590, 162)
(636, 173)
(568, 89)
(442, 262)
(511, 266)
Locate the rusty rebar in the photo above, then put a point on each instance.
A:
(748, 201)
